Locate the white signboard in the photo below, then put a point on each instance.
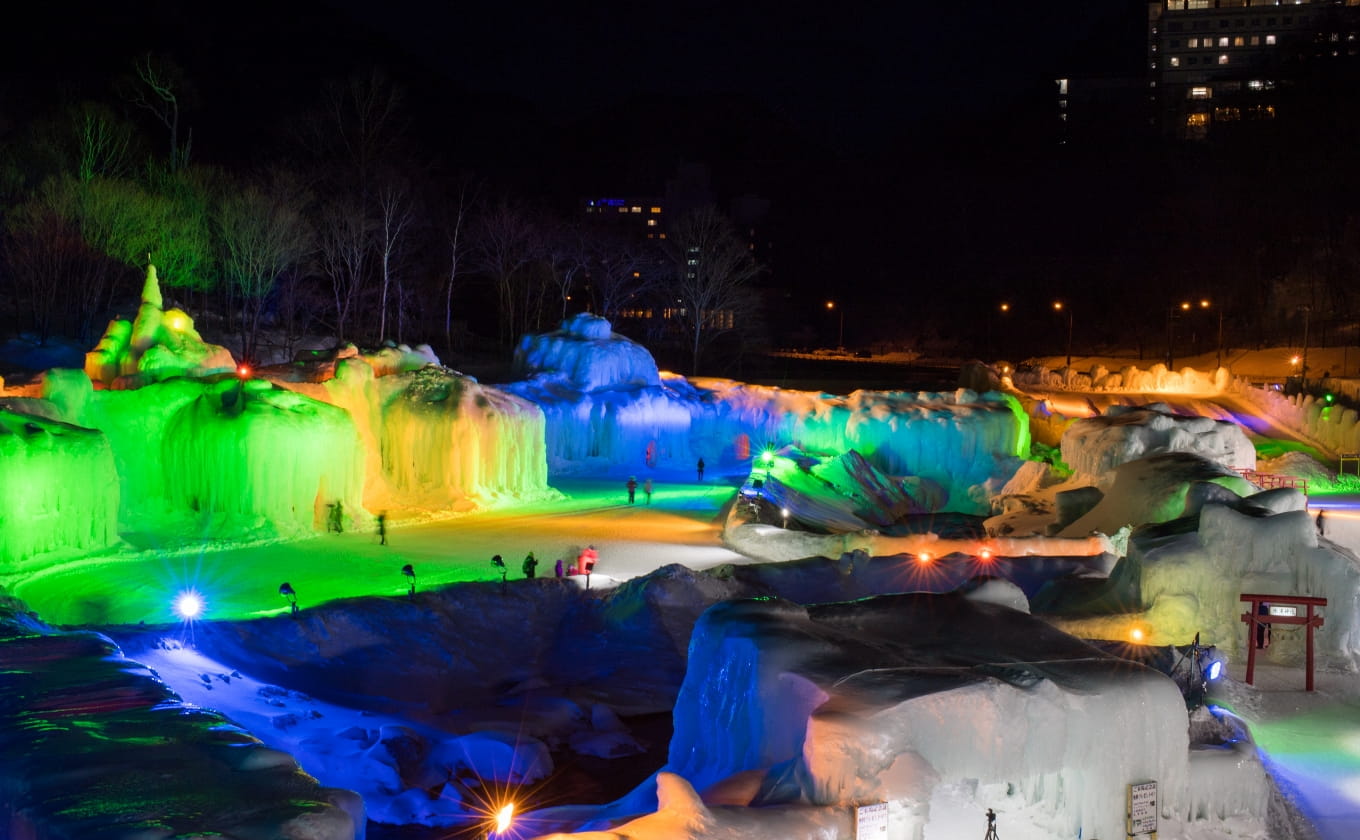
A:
(1289, 611)
(871, 821)
(1142, 803)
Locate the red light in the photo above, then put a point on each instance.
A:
(243, 371)
(985, 555)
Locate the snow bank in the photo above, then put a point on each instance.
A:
(58, 487)
(96, 745)
(1093, 447)
(1334, 427)
(1131, 379)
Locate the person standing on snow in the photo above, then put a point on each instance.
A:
(700, 468)
(557, 568)
(530, 564)
(647, 490)
(632, 488)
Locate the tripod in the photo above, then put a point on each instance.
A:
(991, 826)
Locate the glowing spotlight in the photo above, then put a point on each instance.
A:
(503, 818)
(1214, 671)
(243, 370)
(177, 323)
(985, 555)
(924, 558)
(1137, 635)
(767, 457)
(188, 605)
(785, 512)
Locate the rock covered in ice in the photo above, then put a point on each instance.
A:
(58, 487)
(587, 356)
(156, 345)
(1155, 489)
(1093, 447)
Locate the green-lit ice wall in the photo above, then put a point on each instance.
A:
(58, 487)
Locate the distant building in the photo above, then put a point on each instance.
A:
(1218, 64)
(633, 217)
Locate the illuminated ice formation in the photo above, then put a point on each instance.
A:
(157, 345)
(58, 487)
(1131, 379)
(895, 698)
(233, 454)
(585, 355)
(605, 405)
(434, 438)
(1094, 446)
(245, 449)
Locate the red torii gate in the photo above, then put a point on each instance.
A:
(1281, 611)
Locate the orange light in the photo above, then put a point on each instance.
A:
(1136, 635)
(503, 818)
(243, 371)
(985, 555)
(923, 558)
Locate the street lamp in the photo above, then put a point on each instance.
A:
(840, 336)
(1059, 307)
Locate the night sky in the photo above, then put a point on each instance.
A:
(878, 134)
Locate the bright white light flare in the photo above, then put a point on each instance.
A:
(188, 605)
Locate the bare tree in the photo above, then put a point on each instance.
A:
(568, 255)
(103, 143)
(343, 241)
(396, 214)
(621, 272)
(506, 243)
(711, 271)
(455, 230)
(264, 237)
(159, 89)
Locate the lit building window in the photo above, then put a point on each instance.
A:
(1227, 114)
(651, 223)
(1193, 43)
(1239, 41)
(1223, 59)
(1270, 40)
(1197, 119)
(623, 209)
(1223, 42)
(656, 210)
(637, 209)
(1175, 61)
(1199, 92)
(661, 236)
(1256, 40)
(1062, 87)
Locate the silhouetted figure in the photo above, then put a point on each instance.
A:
(410, 573)
(632, 488)
(286, 590)
(647, 490)
(557, 568)
(1263, 628)
(700, 468)
(530, 564)
(991, 826)
(500, 564)
(336, 521)
(1321, 513)
(382, 529)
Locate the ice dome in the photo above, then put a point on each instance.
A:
(587, 355)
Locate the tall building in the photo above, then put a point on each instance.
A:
(1218, 65)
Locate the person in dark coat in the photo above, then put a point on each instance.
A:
(1321, 513)
(530, 564)
(632, 488)
(700, 468)
(557, 568)
(647, 490)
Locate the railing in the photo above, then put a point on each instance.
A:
(1268, 481)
